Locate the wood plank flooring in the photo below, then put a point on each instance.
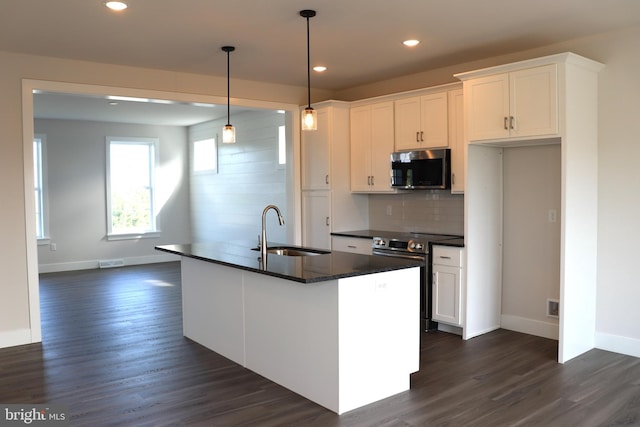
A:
(114, 353)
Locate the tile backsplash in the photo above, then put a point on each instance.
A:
(426, 211)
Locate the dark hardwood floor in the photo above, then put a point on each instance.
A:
(113, 352)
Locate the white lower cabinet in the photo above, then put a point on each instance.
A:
(356, 245)
(447, 285)
(316, 211)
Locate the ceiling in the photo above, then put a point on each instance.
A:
(358, 40)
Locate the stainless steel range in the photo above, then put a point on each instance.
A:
(413, 246)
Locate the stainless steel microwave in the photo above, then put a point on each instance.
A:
(425, 169)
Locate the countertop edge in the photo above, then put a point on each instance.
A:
(325, 278)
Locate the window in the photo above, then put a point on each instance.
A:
(282, 147)
(131, 164)
(39, 179)
(205, 156)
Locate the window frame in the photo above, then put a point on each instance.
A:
(41, 186)
(154, 144)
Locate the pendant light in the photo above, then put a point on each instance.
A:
(229, 132)
(309, 117)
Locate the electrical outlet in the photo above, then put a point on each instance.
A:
(553, 308)
(53, 247)
(389, 210)
(553, 215)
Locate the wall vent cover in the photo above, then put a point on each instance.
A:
(110, 263)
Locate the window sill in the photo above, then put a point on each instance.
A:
(134, 236)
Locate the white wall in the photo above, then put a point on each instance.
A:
(228, 205)
(531, 244)
(76, 158)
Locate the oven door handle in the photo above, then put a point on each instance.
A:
(396, 255)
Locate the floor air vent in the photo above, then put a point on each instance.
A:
(110, 263)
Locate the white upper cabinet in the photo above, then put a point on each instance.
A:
(371, 145)
(316, 153)
(421, 122)
(515, 105)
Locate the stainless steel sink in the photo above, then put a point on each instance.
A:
(293, 251)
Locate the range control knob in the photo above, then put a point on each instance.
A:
(419, 246)
(412, 245)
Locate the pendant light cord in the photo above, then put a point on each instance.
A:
(228, 49)
(228, 89)
(308, 65)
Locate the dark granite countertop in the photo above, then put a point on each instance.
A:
(303, 269)
(442, 239)
(458, 243)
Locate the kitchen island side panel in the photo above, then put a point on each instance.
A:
(213, 307)
(292, 335)
(379, 335)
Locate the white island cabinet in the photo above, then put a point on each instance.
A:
(343, 333)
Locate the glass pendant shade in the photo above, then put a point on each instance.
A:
(309, 119)
(229, 134)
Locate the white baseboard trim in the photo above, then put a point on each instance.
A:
(93, 264)
(530, 326)
(14, 338)
(450, 329)
(618, 344)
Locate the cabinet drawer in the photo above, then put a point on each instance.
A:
(351, 244)
(447, 255)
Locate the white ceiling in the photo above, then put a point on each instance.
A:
(358, 40)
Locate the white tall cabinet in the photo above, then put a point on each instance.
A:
(327, 202)
(554, 99)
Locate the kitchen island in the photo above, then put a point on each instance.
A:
(340, 329)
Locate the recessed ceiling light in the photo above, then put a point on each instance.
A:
(320, 68)
(411, 43)
(116, 5)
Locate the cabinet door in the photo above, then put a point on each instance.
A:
(434, 131)
(360, 145)
(316, 219)
(407, 123)
(382, 137)
(446, 291)
(534, 101)
(316, 154)
(487, 100)
(456, 140)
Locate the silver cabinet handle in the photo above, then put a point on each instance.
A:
(453, 178)
(445, 257)
(326, 179)
(327, 221)
(511, 120)
(417, 135)
(352, 246)
(372, 180)
(506, 127)
(421, 136)
(369, 180)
